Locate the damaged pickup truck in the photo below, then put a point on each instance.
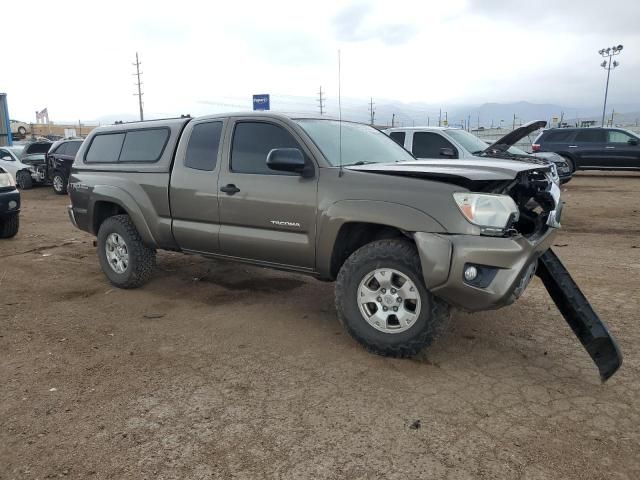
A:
(403, 239)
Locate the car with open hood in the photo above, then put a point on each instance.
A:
(26, 163)
(445, 144)
(404, 240)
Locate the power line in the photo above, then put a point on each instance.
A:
(139, 84)
(321, 101)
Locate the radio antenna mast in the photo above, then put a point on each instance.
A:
(339, 117)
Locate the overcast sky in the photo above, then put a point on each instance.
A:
(199, 57)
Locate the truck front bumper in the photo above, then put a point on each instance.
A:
(503, 267)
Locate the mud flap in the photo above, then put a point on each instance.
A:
(576, 310)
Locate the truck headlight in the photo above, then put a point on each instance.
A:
(492, 213)
(6, 180)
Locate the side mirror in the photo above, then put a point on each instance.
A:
(632, 141)
(286, 160)
(447, 152)
(7, 158)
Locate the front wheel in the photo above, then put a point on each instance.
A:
(24, 180)
(383, 303)
(9, 226)
(125, 259)
(59, 183)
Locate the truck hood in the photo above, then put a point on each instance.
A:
(34, 159)
(513, 137)
(480, 169)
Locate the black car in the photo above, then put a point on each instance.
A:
(592, 148)
(59, 161)
(9, 205)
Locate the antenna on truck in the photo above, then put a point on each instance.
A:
(339, 118)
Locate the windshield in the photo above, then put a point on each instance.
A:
(35, 148)
(360, 143)
(473, 144)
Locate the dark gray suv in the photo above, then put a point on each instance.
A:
(592, 148)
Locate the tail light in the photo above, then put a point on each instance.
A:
(535, 147)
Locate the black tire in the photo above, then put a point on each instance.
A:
(570, 163)
(24, 180)
(400, 255)
(9, 226)
(59, 179)
(142, 258)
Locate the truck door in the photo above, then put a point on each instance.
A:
(266, 215)
(194, 187)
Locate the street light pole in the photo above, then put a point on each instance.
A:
(608, 53)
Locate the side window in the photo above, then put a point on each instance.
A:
(144, 145)
(616, 136)
(428, 144)
(559, 136)
(105, 148)
(591, 136)
(202, 150)
(62, 149)
(398, 137)
(72, 148)
(252, 142)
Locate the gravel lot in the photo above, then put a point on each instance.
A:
(220, 370)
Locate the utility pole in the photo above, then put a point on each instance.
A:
(440, 118)
(321, 101)
(428, 121)
(607, 64)
(468, 122)
(139, 84)
(393, 120)
(612, 112)
(514, 122)
(372, 112)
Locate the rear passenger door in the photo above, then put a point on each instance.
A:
(589, 147)
(430, 145)
(266, 215)
(194, 187)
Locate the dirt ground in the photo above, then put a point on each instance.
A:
(220, 370)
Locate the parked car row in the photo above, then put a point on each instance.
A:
(446, 144)
(41, 162)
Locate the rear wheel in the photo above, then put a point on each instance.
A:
(9, 226)
(24, 180)
(383, 303)
(125, 259)
(59, 183)
(570, 163)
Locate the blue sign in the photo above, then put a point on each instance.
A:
(261, 102)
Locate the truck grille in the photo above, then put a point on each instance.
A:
(537, 197)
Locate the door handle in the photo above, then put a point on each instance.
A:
(230, 189)
(610, 148)
(573, 146)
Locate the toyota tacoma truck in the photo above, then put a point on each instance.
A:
(403, 240)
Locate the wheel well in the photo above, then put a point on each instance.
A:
(569, 157)
(103, 210)
(354, 235)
